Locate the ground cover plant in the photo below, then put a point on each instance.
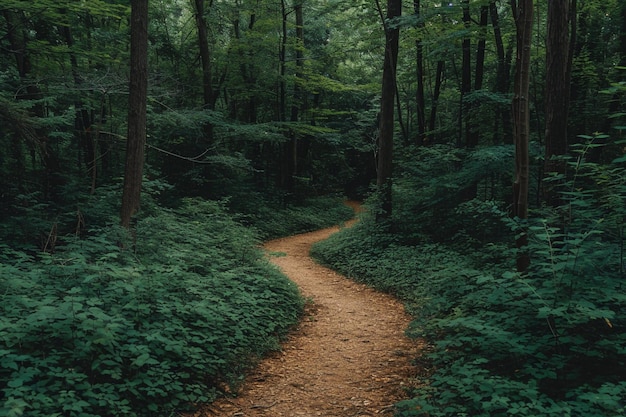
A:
(549, 342)
(97, 322)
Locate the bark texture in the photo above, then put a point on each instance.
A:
(386, 123)
(523, 12)
(138, 91)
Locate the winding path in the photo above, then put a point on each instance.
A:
(348, 357)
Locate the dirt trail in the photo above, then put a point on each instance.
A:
(348, 357)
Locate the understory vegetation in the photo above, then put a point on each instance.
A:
(95, 321)
(549, 342)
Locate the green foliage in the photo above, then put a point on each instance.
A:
(546, 343)
(439, 181)
(96, 329)
(275, 219)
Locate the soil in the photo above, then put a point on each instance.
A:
(348, 356)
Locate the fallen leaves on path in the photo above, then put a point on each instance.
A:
(348, 357)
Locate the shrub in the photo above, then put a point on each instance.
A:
(549, 342)
(96, 329)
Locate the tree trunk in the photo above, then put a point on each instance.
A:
(557, 94)
(419, 69)
(502, 77)
(291, 146)
(83, 121)
(523, 12)
(248, 74)
(436, 93)
(138, 91)
(480, 48)
(208, 93)
(479, 75)
(386, 123)
(466, 80)
(282, 93)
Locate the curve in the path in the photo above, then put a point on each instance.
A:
(348, 357)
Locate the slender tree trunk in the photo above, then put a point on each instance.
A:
(473, 133)
(282, 106)
(251, 79)
(466, 80)
(404, 130)
(557, 94)
(83, 120)
(247, 74)
(480, 48)
(419, 69)
(436, 93)
(502, 77)
(208, 92)
(615, 102)
(622, 35)
(138, 91)
(291, 146)
(386, 126)
(523, 12)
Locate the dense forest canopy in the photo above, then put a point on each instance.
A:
(243, 92)
(482, 131)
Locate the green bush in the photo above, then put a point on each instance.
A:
(549, 342)
(108, 327)
(273, 219)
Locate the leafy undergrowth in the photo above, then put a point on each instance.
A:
(550, 342)
(109, 326)
(274, 220)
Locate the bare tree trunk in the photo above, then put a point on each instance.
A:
(282, 105)
(436, 93)
(83, 120)
(138, 91)
(523, 12)
(208, 92)
(419, 69)
(291, 146)
(386, 126)
(473, 133)
(502, 76)
(480, 48)
(557, 94)
(466, 80)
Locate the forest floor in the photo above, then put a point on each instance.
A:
(347, 357)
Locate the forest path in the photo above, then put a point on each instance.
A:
(348, 357)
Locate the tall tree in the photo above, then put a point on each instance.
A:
(523, 14)
(282, 65)
(386, 122)
(480, 48)
(502, 74)
(439, 74)
(292, 145)
(208, 93)
(472, 132)
(466, 78)
(419, 73)
(557, 91)
(138, 92)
